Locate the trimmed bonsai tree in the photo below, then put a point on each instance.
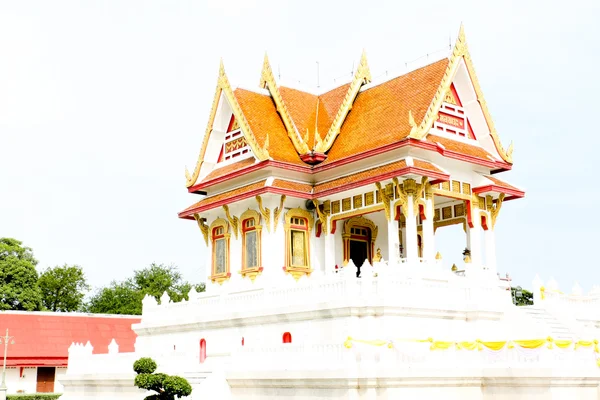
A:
(167, 387)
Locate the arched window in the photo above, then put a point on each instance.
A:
(202, 350)
(219, 236)
(287, 337)
(251, 244)
(298, 223)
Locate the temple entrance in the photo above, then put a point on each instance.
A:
(359, 240)
(359, 253)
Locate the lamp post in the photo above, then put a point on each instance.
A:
(6, 340)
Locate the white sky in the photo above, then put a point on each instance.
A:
(103, 103)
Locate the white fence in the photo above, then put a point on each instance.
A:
(440, 290)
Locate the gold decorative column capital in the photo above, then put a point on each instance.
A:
(265, 212)
(203, 227)
(323, 215)
(385, 199)
(233, 221)
(277, 213)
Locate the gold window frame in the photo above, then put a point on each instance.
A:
(251, 272)
(223, 276)
(297, 271)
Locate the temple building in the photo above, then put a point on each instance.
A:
(319, 213)
(366, 171)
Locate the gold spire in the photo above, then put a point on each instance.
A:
(361, 77)
(267, 80)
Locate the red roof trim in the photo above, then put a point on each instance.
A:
(188, 214)
(497, 166)
(513, 193)
(37, 362)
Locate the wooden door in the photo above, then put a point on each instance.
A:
(45, 379)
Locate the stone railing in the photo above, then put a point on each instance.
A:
(549, 294)
(405, 355)
(442, 290)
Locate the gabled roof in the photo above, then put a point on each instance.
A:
(295, 127)
(43, 338)
(380, 114)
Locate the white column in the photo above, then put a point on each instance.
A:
(235, 256)
(490, 249)
(474, 235)
(276, 248)
(393, 243)
(329, 250)
(412, 245)
(428, 233)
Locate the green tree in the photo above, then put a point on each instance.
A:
(526, 298)
(167, 387)
(126, 297)
(18, 278)
(63, 288)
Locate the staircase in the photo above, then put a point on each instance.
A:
(557, 329)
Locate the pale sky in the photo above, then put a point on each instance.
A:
(103, 104)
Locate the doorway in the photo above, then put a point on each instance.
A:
(359, 253)
(45, 379)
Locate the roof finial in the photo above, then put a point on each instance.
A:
(266, 72)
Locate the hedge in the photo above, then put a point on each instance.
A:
(33, 396)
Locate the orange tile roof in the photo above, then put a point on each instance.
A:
(263, 119)
(502, 184)
(379, 115)
(295, 186)
(302, 107)
(460, 147)
(217, 173)
(207, 201)
(427, 166)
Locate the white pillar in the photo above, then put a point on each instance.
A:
(393, 242)
(490, 250)
(275, 251)
(474, 235)
(412, 245)
(428, 233)
(329, 250)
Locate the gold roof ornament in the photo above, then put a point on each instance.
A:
(460, 51)
(223, 87)
(467, 259)
(438, 256)
(361, 77)
(267, 81)
(454, 268)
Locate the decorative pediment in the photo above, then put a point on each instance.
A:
(446, 95)
(224, 88)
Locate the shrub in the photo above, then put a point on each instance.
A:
(33, 396)
(167, 387)
(144, 365)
